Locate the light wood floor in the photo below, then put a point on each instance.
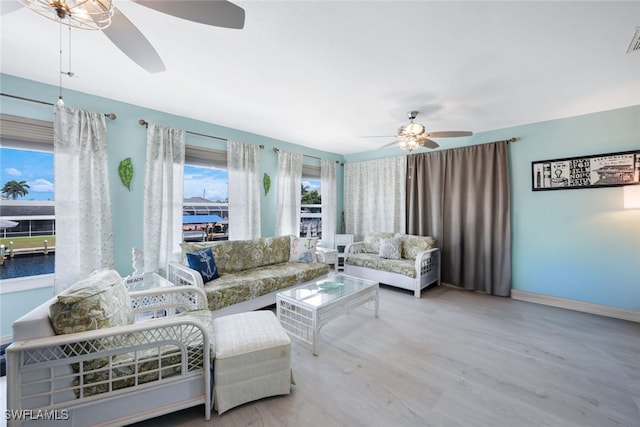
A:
(454, 358)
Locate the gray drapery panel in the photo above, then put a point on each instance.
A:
(461, 198)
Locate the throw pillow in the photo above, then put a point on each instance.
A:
(390, 248)
(204, 263)
(100, 300)
(303, 249)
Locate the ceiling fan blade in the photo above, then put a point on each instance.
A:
(428, 143)
(219, 13)
(448, 134)
(389, 144)
(132, 43)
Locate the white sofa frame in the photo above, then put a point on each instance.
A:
(40, 376)
(427, 267)
(181, 275)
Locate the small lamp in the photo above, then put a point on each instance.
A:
(631, 196)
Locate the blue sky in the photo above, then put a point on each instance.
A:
(36, 168)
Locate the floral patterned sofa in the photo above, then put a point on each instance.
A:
(86, 358)
(401, 260)
(249, 273)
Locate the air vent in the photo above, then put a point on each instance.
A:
(635, 42)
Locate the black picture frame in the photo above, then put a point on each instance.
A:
(594, 171)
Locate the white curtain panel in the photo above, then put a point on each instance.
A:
(84, 234)
(329, 204)
(243, 167)
(375, 196)
(163, 186)
(288, 194)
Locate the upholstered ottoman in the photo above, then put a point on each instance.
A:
(253, 359)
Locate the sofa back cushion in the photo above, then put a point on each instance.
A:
(412, 245)
(372, 241)
(98, 301)
(237, 255)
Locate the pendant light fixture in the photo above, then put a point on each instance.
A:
(82, 14)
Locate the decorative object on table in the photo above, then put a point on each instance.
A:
(125, 170)
(266, 183)
(600, 170)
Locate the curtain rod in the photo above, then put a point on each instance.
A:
(145, 123)
(277, 150)
(107, 115)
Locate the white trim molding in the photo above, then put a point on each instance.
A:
(586, 307)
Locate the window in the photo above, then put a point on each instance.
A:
(311, 207)
(27, 209)
(205, 206)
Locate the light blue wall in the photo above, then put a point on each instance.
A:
(575, 244)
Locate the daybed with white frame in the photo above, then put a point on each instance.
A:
(111, 375)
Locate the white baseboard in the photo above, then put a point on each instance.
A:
(586, 307)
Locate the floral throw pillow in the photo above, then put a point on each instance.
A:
(390, 248)
(204, 263)
(303, 249)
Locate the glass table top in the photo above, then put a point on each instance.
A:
(327, 290)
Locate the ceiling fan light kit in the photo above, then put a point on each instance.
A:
(414, 135)
(82, 14)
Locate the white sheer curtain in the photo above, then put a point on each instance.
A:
(243, 167)
(329, 207)
(375, 196)
(84, 235)
(163, 185)
(289, 193)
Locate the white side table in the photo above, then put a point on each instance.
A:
(328, 256)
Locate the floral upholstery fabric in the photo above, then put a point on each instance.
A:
(363, 259)
(372, 241)
(252, 268)
(237, 255)
(152, 363)
(412, 245)
(232, 288)
(390, 248)
(405, 267)
(98, 301)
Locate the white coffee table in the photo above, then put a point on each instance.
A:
(304, 310)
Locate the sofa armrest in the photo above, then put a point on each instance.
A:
(353, 248)
(54, 372)
(428, 266)
(161, 302)
(181, 275)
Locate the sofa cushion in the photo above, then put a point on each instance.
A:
(128, 369)
(413, 245)
(390, 248)
(372, 241)
(363, 259)
(100, 300)
(303, 249)
(233, 288)
(237, 255)
(204, 263)
(406, 267)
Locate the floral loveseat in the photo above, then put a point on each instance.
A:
(401, 260)
(244, 275)
(81, 359)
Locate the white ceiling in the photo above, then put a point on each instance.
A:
(324, 74)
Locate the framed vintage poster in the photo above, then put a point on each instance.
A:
(601, 170)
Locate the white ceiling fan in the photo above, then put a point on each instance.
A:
(102, 15)
(414, 135)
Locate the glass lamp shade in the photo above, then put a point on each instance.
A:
(409, 143)
(82, 14)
